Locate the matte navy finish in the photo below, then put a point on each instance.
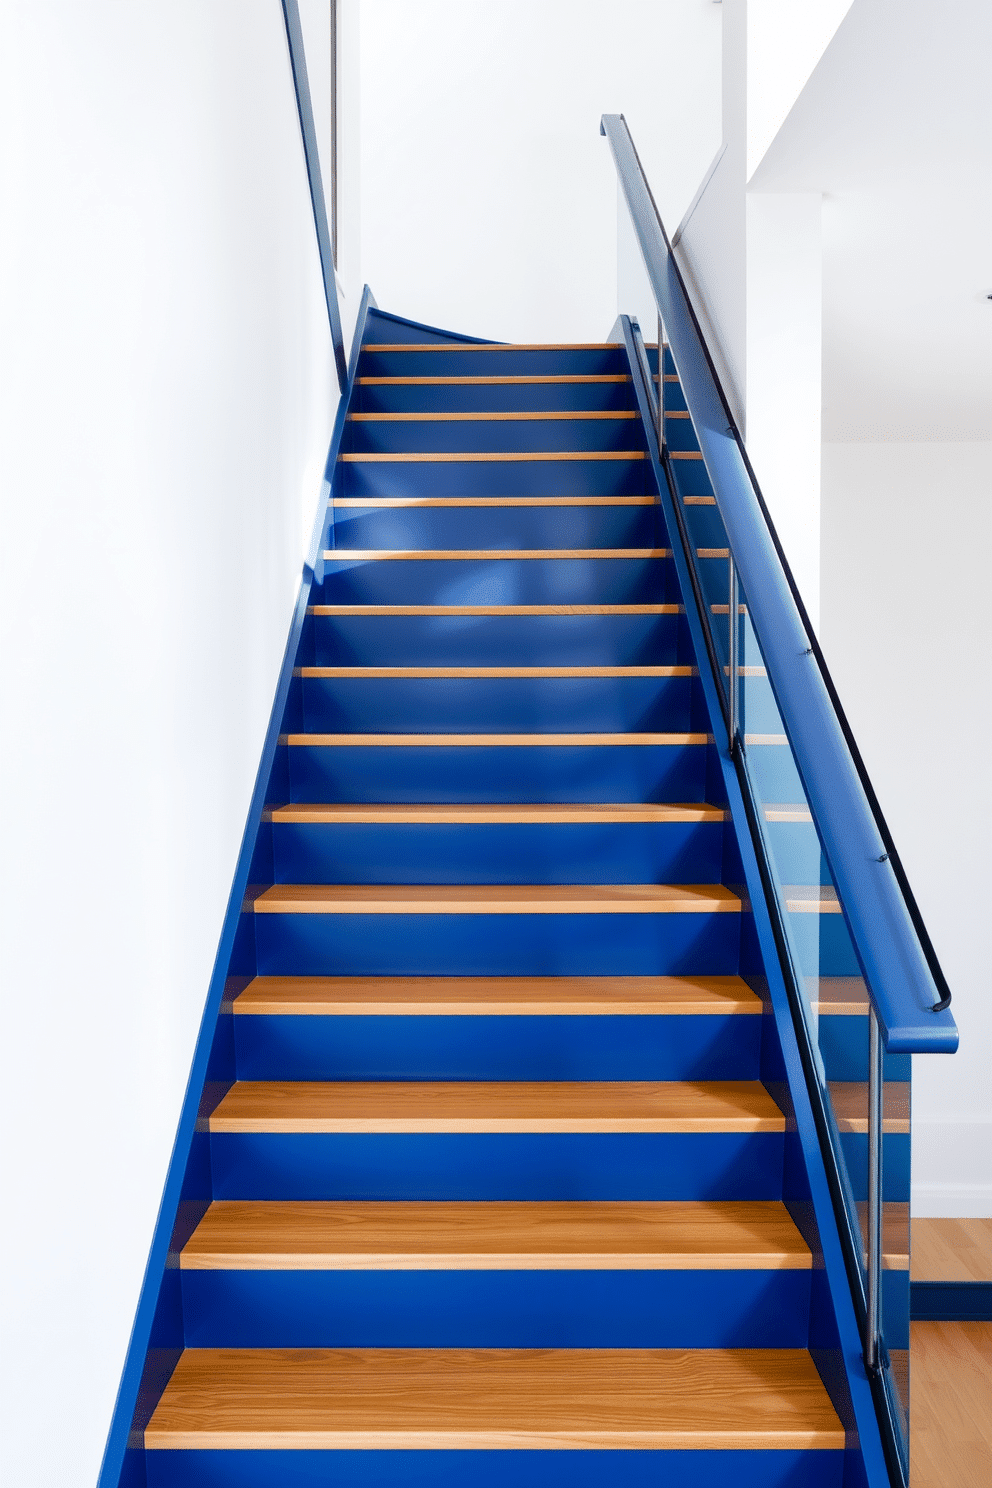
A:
(455, 1469)
(524, 475)
(496, 1309)
(495, 945)
(494, 526)
(494, 397)
(538, 773)
(494, 853)
(473, 705)
(377, 434)
(274, 1047)
(501, 640)
(486, 581)
(497, 1165)
(480, 360)
(951, 1301)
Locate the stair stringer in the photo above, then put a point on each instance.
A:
(835, 1341)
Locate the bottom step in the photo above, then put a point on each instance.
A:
(491, 1399)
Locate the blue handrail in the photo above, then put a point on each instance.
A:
(905, 984)
(304, 107)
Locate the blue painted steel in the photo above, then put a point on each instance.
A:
(486, 1165)
(496, 1309)
(492, 361)
(456, 1469)
(500, 640)
(434, 527)
(837, 1304)
(580, 475)
(471, 705)
(496, 945)
(573, 853)
(281, 1047)
(141, 1364)
(384, 436)
(901, 980)
(951, 1301)
(298, 62)
(541, 772)
(506, 397)
(843, 1044)
(349, 579)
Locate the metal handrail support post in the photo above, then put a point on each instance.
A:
(876, 1101)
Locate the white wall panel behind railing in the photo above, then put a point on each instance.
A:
(165, 408)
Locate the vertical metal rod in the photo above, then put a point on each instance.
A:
(733, 656)
(876, 1091)
(660, 401)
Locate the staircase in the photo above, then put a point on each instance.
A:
(487, 1180)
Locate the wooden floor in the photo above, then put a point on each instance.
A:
(952, 1250)
(951, 1405)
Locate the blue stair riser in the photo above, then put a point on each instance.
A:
(539, 773)
(422, 527)
(493, 435)
(497, 1165)
(488, 581)
(843, 1041)
(691, 479)
(496, 1309)
(497, 945)
(527, 477)
(795, 851)
(494, 362)
(822, 945)
(895, 1165)
(501, 704)
(679, 433)
(543, 1047)
(496, 853)
(705, 528)
(483, 1469)
(501, 640)
(773, 771)
(533, 397)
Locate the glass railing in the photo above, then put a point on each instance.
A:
(864, 982)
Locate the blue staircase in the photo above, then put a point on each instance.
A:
(498, 1159)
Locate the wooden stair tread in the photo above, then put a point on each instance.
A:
(504, 416)
(497, 1106)
(489, 741)
(578, 377)
(494, 1398)
(497, 899)
(456, 555)
(478, 672)
(377, 503)
(336, 813)
(849, 1099)
(500, 457)
(243, 1235)
(497, 996)
(346, 610)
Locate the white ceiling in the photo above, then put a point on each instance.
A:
(895, 129)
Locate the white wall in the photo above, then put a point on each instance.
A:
(488, 195)
(907, 632)
(165, 409)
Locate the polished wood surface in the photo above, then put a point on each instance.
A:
(684, 454)
(377, 503)
(849, 1099)
(494, 1398)
(514, 416)
(489, 381)
(474, 814)
(467, 672)
(498, 1236)
(498, 996)
(952, 1250)
(502, 457)
(951, 1405)
(843, 997)
(534, 609)
(491, 1106)
(497, 899)
(712, 552)
(811, 899)
(454, 555)
(488, 741)
(699, 501)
